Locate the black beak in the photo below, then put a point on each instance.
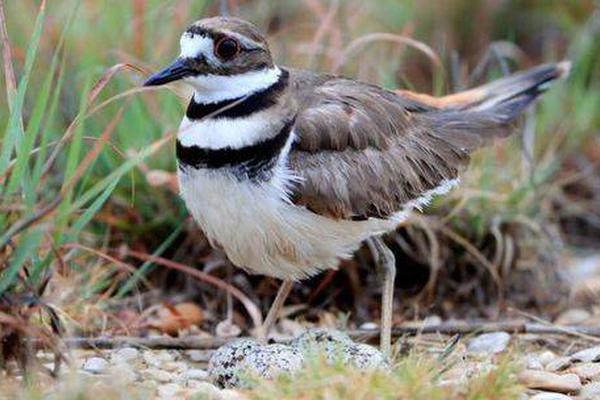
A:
(178, 70)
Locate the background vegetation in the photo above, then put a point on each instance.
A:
(90, 218)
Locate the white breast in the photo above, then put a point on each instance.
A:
(261, 231)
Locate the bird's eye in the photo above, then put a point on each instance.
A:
(227, 48)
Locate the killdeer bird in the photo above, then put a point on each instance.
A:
(288, 171)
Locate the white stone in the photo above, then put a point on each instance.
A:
(586, 371)
(157, 375)
(157, 358)
(559, 364)
(95, 365)
(369, 326)
(125, 355)
(550, 396)
(490, 343)
(196, 355)
(546, 357)
(588, 355)
(590, 391)
(196, 373)
(573, 316)
(169, 391)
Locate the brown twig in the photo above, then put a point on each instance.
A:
(448, 328)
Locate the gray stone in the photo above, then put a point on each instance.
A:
(196, 355)
(590, 391)
(588, 355)
(543, 380)
(490, 343)
(157, 375)
(125, 355)
(586, 371)
(157, 358)
(95, 365)
(196, 373)
(559, 364)
(573, 316)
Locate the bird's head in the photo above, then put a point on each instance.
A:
(220, 54)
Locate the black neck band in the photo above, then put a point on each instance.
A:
(254, 162)
(241, 106)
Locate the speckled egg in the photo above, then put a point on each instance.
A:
(224, 364)
(329, 342)
(365, 357)
(272, 360)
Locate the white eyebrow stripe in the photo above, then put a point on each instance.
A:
(193, 45)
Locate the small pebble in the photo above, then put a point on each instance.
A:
(568, 383)
(198, 374)
(559, 364)
(550, 396)
(586, 371)
(432, 320)
(95, 365)
(368, 326)
(196, 355)
(546, 357)
(573, 316)
(588, 355)
(175, 366)
(157, 358)
(490, 343)
(125, 355)
(590, 391)
(158, 375)
(169, 391)
(533, 362)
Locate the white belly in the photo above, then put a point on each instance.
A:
(261, 231)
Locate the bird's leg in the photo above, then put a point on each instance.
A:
(282, 294)
(385, 259)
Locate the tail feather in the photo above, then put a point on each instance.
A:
(513, 93)
(477, 116)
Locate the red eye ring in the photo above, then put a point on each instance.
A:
(226, 48)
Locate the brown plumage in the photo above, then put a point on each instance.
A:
(363, 151)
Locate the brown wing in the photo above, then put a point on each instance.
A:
(362, 151)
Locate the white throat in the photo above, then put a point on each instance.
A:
(215, 88)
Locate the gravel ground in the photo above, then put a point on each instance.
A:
(550, 367)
